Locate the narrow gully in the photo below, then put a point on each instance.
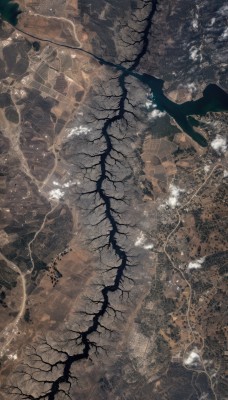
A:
(179, 113)
(123, 259)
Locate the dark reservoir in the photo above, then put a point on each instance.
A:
(9, 11)
(214, 100)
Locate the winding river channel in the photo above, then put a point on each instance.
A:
(213, 99)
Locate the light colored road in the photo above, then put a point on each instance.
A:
(35, 236)
(191, 331)
(61, 19)
(12, 329)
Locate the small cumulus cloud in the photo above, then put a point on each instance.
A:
(67, 184)
(156, 114)
(72, 183)
(212, 21)
(140, 239)
(148, 246)
(224, 35)
(56, 194)
(192, 358)
(80, 130)
(194, 54)
(151, 105)
(12, 356)
(173, 199)
(59, 192)
(195, 22)
(141, 242)
(197, 264)
(150, 102)
(219, 144)
(204, 396)
(223, 10)
(192, 87)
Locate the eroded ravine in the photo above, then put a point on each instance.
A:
(82, 338)
(116, 227)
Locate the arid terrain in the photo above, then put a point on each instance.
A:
(113, 200)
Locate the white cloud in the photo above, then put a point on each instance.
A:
(204, 396)
(206, 168)
(141, 242)
(197, 264)
(192, 87)
(212, 21)
(149, 104)
(192, 358)
(12, 356)
(195, 22)
(223, 10)
(140, 239)
(79, 130)
(67, 184)
(219, 144)
(72, 183)
(194, 54)
(156, 114)
(56, 194)
(224, 34)
(148, 246)
(174, 195)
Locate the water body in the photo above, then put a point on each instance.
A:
(9, 11)
(214, 99)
